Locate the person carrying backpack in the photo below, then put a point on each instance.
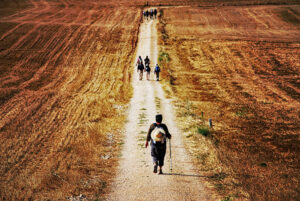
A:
(147, 60)
(151, 13)
(148, 70)
(157, 135)
(157, 71)
(155, 13)
(139, 61)
(140, 67)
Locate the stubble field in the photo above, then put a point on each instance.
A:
(239, 66)
(64, 83)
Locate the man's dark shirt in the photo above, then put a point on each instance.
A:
(147, 61)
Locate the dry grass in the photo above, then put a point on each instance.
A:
(64, 85)
(239, 66)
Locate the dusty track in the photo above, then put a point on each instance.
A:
(135, 180)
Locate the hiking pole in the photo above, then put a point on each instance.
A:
(170, 155)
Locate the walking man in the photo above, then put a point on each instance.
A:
(147, 60)
(157, 135)
(157, 71)
(140, 67)
(151, 13)
(148, 70)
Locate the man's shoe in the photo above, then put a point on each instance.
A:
(160, 171)
(155, 169)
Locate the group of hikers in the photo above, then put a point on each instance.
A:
(145, 67)
(152, 14)
(158, 132)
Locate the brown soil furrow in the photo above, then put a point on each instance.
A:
(255, 16)
(11, 31)
(54, 22)
(32, 14)
(80, 77)
(46, 17)
(21, 40)
(80, 17)
(47, 42)
(54, 55)
(25, 11)
(66, 5)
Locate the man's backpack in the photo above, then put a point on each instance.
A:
(158, 134)
(147, 61)
(157, 69)
(139, 61)
(147, 67)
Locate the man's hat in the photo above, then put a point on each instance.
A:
(158, 118)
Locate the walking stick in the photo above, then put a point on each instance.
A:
(170, 155)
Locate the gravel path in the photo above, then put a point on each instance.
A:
(135, 179)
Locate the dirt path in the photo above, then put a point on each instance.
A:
(135, 180)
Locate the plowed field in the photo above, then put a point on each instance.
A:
(64, 80)
(240, 66)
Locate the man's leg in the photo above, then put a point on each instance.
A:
(154, 155)
(155, 167)
(160, 164)
(161, 158)
(141, 74)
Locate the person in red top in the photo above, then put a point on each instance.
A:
(157, 134)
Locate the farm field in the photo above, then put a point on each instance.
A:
(64, 83)
(240, 66)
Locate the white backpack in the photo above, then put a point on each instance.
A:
(158, 135)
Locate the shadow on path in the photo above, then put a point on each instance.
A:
(184, 175)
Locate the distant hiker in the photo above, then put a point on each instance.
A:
(147, 65)
(155, 12)
(139, 61)
(140, 67)
(151, 13)
(144, 14)
(148, 70)
(147, 60)
(157, 71)
(157, 135)
(147, 14)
